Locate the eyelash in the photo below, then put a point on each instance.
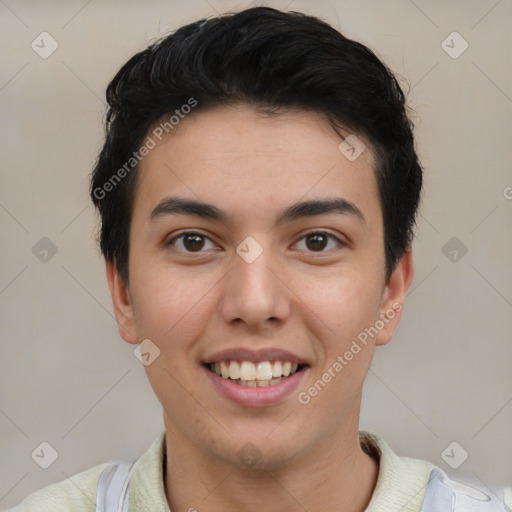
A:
(330, 235)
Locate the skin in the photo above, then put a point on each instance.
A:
(292, 296)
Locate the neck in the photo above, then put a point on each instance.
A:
(336, 475)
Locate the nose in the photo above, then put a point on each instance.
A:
(255, 293)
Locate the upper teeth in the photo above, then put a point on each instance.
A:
(247, 370)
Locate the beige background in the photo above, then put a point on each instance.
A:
(67, 378)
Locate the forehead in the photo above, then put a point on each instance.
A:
(252, 165)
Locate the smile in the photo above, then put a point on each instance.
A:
(251, 374)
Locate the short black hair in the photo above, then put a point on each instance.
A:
(270, 60)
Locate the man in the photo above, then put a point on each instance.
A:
(258, 188)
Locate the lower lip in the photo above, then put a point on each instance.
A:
(256, 396)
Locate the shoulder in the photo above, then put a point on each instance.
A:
(443, 493)
(414, 484)
(401, 481)
(74, 494)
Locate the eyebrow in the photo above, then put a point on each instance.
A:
(182, 206)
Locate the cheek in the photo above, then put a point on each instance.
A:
(342, 317)
(170, 310)
(169, 302)
(341, 304)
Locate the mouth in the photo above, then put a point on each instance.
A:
(254, 374)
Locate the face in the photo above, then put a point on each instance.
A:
(252, 288)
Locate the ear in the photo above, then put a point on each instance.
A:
(393, 297)
(123, 308)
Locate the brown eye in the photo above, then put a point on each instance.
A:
(193, 242)
(189, 241)
(317, 241)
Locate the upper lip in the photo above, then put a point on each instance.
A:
(256, 356)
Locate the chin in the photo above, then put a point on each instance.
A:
(258, 452)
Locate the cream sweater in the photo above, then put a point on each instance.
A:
(401, 483)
